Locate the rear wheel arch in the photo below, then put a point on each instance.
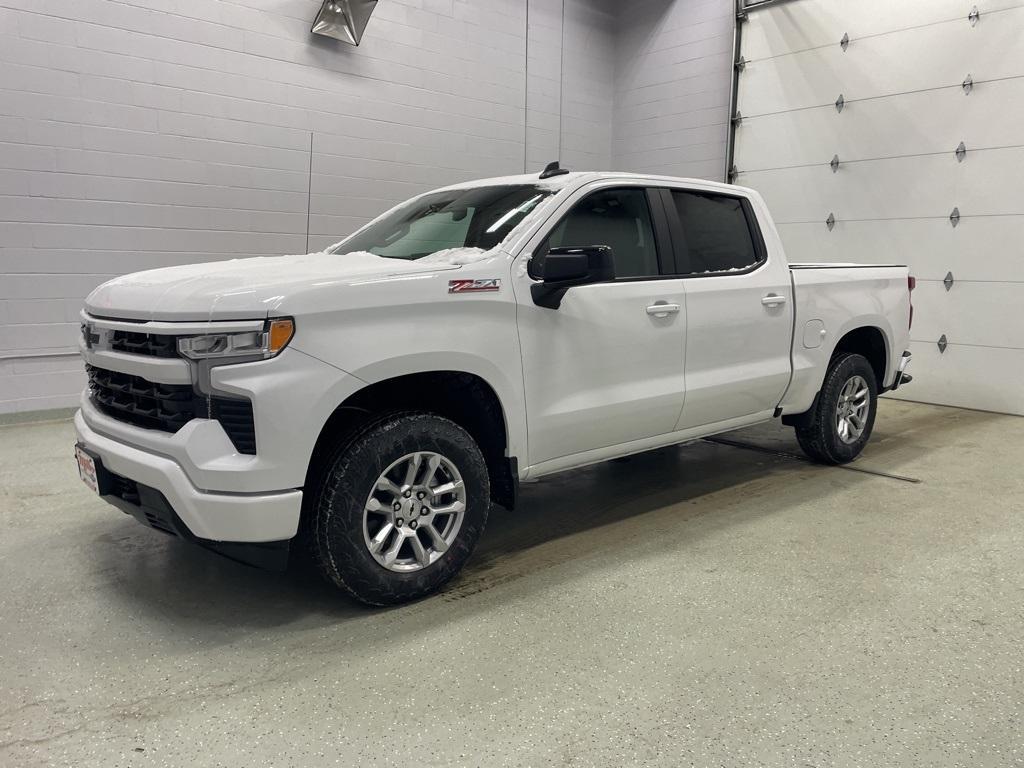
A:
(870, 342)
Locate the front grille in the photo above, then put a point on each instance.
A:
(169, 407)
(151, 344)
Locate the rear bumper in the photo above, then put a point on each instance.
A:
(902, 377)
(199, 515)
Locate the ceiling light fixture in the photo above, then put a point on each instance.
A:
(344, 20)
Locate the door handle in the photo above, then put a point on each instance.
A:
(662, 309)
(773, 300)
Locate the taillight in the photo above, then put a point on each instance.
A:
(911, 285)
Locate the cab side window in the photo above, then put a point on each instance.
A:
(717, 233)
(618, 218)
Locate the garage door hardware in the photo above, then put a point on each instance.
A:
(954, 217)
(942, 343)
(839, 103)
(845, 42)
(737, 118)
(973, 16)
(948, 281)
(967, 84)
(830, 222)
(741, 64)
(961, 152)
(834, 163)
(733, 172)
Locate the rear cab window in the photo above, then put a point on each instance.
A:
(718, 232)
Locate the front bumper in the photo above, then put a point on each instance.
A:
(207, 516)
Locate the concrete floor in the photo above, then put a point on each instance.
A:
(702, 605)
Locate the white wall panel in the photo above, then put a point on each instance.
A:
(898, 178)
(672, 83)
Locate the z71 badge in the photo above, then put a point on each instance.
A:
(474, 286)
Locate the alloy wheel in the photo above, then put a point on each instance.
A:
(414, 511)
(852, 409)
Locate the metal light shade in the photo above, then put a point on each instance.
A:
(344, 19)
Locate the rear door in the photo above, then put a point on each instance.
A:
(739, 308)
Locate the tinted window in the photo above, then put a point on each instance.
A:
(618, 218)
(717, 233)
(476, 217)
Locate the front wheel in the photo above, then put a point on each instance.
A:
(844, 415)
(400, 508)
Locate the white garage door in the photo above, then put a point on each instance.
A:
(915, 80)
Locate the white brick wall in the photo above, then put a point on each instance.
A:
(142, 133)
(672, 84)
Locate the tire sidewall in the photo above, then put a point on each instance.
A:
(338, 530)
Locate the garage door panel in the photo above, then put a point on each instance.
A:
(969, 313)
(898, 178)
(905, 187)
(823, 22)
(912, 60)
(984, 248)
(910, 124)
(968, 377)
(864, 191)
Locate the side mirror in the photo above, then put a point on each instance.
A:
(564, 268)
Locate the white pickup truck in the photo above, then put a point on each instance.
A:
(371, 401)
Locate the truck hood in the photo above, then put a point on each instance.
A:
(250, 288)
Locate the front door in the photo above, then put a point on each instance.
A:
(606, 367)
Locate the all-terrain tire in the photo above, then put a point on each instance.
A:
(819, 437)
(339, 549)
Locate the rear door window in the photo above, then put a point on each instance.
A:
(717, 233)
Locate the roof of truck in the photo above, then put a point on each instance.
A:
(575, 178)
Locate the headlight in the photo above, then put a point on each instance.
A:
(252, 344)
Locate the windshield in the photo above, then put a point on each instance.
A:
(479, 217)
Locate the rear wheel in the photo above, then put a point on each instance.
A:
(400, 508)
(844, 416)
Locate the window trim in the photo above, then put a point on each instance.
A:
(660, 227)
(680, 250)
